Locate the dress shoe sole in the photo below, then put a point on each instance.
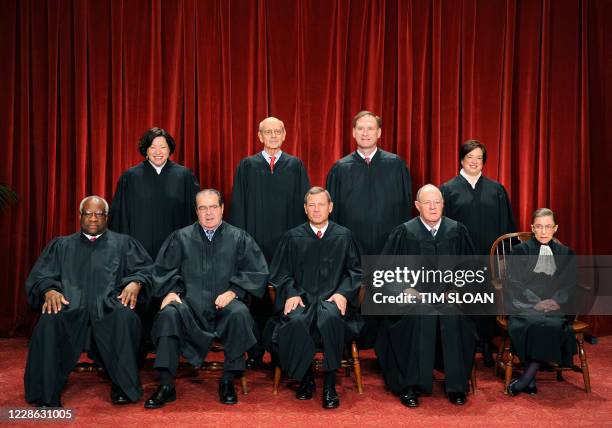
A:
(160, 404)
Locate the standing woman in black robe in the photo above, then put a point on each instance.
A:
(541, 276)
(152, 200)
(482, 205)
(155, 197)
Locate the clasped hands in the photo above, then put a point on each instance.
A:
(547, 305)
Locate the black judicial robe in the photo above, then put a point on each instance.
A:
(315, 269)
(267, 204)
(485, 210)
(406, 345)
(536, 335)
(150, 206)
(90, 275)
(199, 271)
(370, 200)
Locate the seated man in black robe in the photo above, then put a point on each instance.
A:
(86, 285)
(203, 272)
(406, 345)
(316, 272)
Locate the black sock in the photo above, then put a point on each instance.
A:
(329, 378)
(528, 376)
(228, 376)
(165, 377)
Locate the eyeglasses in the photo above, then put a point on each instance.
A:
(204, 209)
(546, 227)
(88, 214)
(435, 203)
(269, 132)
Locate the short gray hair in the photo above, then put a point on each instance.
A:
(543, 212)
(86, 198)
(428, 187)
(315, 191)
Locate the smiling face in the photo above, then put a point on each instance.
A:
(159, 151)
(472, 163)
(318, 209)
(208, 209)
(544, 228)
(366, 133)
(430, 205)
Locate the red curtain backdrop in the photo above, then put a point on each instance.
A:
(82, 80)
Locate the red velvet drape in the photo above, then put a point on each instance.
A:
(82, 79)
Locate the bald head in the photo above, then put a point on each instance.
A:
(94, 212)
(271, 122)
(428, 189)
(430, 204)
(272, 134)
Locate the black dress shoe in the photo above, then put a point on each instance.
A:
(458, 398)
(118, 396)
(306, 388)
(44, 405)
(164, 394)
(330, 397)
(513, 391)
(227, 393)
(409, 399)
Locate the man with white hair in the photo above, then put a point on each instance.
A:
(409, 346)
(267, 202)
(86, 285)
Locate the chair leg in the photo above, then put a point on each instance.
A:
(508, 363)
(277, 377)
(243, 382)
(357, 367)
(498, 357)
(583, 363)
(473, 380)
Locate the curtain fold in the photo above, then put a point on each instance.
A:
(83, 79)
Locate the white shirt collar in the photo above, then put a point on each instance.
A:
(267, 156)
(371, 154)
(323, 229)
(158, 169)
(470, 179)
(92, 236)
(436, 226)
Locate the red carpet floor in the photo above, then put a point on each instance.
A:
(557, 403)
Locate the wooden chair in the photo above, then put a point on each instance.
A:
(500, 250)
(351, 359)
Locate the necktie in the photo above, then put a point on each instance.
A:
(433, 232)
(272, 159)
(319, 234)
(93, 239)
(209, 234)
(367, 160)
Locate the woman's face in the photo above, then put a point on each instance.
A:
(159, 151)
(472, 162)
(544, 228)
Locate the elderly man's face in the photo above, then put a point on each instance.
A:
(159, 151)
(318, 209)
(209, 211)
(93, 217)
(366, 132)
(430, 206)
(272, 134)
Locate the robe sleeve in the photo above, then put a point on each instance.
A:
(167, 276)
(192, 187)
(506, 221)
(138, 267)
(516, 294)
(303, 186)
(351, 279)
(333, 187)
(567, 280)
(282, 273)
(238, 209)
(395, 242)
(407, 192)
(252, 271)
(119, 215)
(45, 275)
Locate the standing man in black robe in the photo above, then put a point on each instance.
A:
(406, 345)
(86, 285)
(483, 206)
(203, 273)
(316, 272)
(372, 194)
(267, 202)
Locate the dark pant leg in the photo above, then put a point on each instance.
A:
(331, 329)
(296, 348)
(235, 329)
(167, 350)
(458, 343)
(117, 338)
(51, 358)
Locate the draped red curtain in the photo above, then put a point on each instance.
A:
(83, 79)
